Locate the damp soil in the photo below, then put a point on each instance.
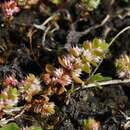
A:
(103, 104)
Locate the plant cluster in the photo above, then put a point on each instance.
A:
(72, 70)
(71, 66)
(69, 71)
(43, 106)
(15, 91)
(13, 7)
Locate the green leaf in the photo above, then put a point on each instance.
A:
(91, 4)
(38, 128)
(95, 42)
(104, 46)
(97, 52)
(56, 1)
(99, 77)
(10, 126)
(86, 68)
(129, 67)
(13, 92)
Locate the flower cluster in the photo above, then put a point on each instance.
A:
(10, 7)
(71, 66)
(57, 80)
(30, 87)
(9, 94)
(93, 52)
(123, 66)
(43, 106)
(10, 81)
(91, 124)
(14, 91)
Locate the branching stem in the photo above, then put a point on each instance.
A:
(104, 83)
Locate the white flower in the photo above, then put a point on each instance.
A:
(61, 78)
(31, 86)
(67, 61)
(10, 7)
(91, 57)
(58, 72)
(88, 55)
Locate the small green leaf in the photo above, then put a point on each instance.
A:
(97, 52)
(128, 66)
(13, 92)
(90, 5)
(99, 77)
(86, 68)
(10, 126)
(104, 46)
(56, 2)
(95, 42)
